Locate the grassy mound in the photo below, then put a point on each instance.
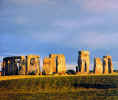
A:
(83, 87)
(60, 83)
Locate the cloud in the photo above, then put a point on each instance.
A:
(21, 20)
(32, 2)
(98, 5)
(79, 23)
(99, 40)
(1, 58)
(94, 40)
(81, 33)
(115, 65)
(71, 66)
(96, 32)
(50, 37)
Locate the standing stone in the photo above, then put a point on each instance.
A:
(107, 64)
(48, 66)
(83, 61)
(6, 66)
(61, 65)
(3, 68)
(22, 66)
(54, 64)
(33, 64)
(9, 66)
(98, 66)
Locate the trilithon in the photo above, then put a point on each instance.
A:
(83, 62)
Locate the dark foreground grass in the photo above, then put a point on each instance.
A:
(61, 88)
(94, 94)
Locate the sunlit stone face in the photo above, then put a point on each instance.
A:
(83, 61)
(98, 66)
(54, 64)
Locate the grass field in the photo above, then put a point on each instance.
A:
(38, 76)
(68, 87)
(57, 82)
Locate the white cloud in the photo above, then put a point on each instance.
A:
(98, 5)
(32, 2)
(79, 23)
(78, 36)
(99, 40)
(80, 40)
(71, 66)
(50, 37)
(1, 58)
(115, 65)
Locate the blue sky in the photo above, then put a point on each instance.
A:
(59, 26)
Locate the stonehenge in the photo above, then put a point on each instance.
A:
(103, 66)
(21, 65)
(30, 65)
(55, 63)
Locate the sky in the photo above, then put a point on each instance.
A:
(59, 26)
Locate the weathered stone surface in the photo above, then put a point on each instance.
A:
(107, 65)
(54, 64)
(21, 65)
(98, 66)
(33, 64)
(10, 66)
(1, 64)
(61, 64)
(83, 61)
(48, 66)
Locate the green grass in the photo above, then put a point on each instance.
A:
(61, 83)
(83, 87)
